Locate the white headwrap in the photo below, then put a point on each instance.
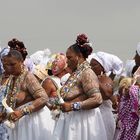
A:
(129, 67)
(110, 62)
(41, 57)
(138, 49)
(37, 57)
(45, 57)
(3, 53)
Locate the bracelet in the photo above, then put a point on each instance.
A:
(26, 110)
(76, 106)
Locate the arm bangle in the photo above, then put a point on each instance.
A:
(76, 106)
(26, 110)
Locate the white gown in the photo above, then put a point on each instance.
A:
(37, 126)
(108, 118)
(80, 125)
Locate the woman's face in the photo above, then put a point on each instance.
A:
(96, 67)
(11, 65)
(72, 59)
(58, 65)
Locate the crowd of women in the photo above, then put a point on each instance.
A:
(77, 95)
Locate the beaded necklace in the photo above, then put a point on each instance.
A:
(3, 91)
(72, 80)
(14, 88)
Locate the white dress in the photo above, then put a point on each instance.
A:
(108, 118)
(36, 126)
(80, 125)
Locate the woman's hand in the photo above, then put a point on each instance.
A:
(66, 107)
(16, 115)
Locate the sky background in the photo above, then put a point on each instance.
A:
(112, 25)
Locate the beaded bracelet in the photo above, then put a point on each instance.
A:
(76, 106)
(26, 110)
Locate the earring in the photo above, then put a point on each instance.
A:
(22, 68)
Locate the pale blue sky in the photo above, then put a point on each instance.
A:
(112, 25)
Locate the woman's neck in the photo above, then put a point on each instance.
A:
(61, 74)
(80, 61)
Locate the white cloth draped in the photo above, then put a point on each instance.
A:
(110, 62)
(36, 126)
(108, 118)
(80, 125)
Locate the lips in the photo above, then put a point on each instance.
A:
(55, 70)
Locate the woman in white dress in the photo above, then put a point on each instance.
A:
(106, 87)
(81, 119)
(27, 98)
(52, 84)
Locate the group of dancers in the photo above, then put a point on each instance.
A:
(79, 94)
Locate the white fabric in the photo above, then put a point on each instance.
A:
(45, 58)
(37, 126)
(64, 78)
(41, 57)
(128, 68)
(108, 118)
(37, 57)
(110, 62)
(138, 49)
(57, 81)
(80, 125)
(29, 64)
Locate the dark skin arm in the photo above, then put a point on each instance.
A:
(49, 87)
(89, 81)
(37, 92)
(106, 86)
(51, 90)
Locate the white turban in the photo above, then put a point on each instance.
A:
(37, 57)
(4, 52)
(129, 67)
(110, 62)
(138, 49)
(41, 57)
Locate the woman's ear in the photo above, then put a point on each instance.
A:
(80, 55)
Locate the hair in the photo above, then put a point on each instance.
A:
(134, 69)
(15, 44)
(16, 54)
(82, 46)
(50, 72)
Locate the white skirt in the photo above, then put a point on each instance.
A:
(37, 126)
(80, 125)
(108, 118)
